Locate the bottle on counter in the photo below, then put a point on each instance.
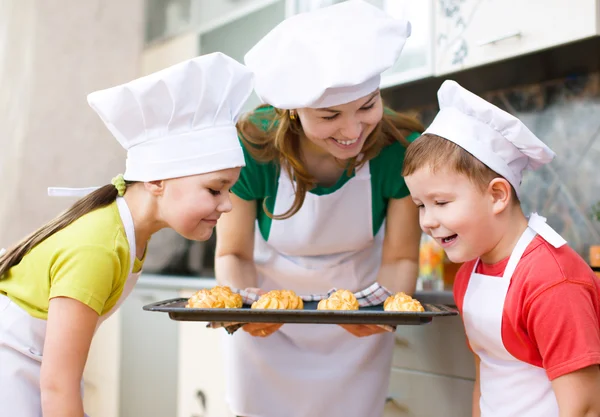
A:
(431, 265)
(595, 257)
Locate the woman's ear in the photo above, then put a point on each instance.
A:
(500, 192)
(156, 188)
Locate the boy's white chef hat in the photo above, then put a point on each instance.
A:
(326, 57)
(498, 139)
(179, 121)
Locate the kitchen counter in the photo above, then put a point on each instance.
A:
(196, 283)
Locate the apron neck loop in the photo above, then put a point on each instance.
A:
(539, 225)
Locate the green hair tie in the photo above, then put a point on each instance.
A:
(119, 183)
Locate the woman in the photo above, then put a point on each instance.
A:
(346, 220)
(62, 281)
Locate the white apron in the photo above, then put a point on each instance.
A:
(22, 343)
(306, 370)
(509, 387)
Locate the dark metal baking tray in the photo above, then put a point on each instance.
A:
(365, 315)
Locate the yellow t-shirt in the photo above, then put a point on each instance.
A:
(87, 261)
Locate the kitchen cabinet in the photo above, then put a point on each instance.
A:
(101, 375)
(433, 371)
(145, 364)
(419, 394)
(470, 33)
(439, 347)
(149, 357)
(235, 37)
(201, 373)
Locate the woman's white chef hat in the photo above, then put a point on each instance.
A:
(326, 57)
(179, 121)
(498, 139)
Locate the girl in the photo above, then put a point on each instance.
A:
(62, 281)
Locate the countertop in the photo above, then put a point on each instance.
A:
(196, 283)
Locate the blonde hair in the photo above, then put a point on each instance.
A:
(278, 139)
(436, 152)
(97, 199)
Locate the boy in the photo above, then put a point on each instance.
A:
(529, 303)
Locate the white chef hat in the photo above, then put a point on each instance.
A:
(179, 121)
(176, 122)
(498, 139)
(327, 57)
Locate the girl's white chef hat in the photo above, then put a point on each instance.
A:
(179, 121)
(326, 57)
(498, 139)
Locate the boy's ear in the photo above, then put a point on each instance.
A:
(500, 192)
(155, 188)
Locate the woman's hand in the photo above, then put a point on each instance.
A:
(260, 329)
(363, 330)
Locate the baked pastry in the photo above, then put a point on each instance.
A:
(231, 299)
(402, 302)
(294, 302)
(339, 300)
(279, 299)
(218, 297)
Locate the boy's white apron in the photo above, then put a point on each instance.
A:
(22, 342)
(509, 387)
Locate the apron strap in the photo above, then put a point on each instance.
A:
(539, 225)
(524, 241)
(70, 192)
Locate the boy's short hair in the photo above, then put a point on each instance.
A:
(436, 152)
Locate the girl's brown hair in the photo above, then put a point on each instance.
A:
(97, 199)
(278, 140)
(436, 152)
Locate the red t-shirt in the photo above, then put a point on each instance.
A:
(551, 316)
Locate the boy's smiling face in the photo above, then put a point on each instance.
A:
(457, 213)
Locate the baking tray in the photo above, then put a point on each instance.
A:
(365, 315)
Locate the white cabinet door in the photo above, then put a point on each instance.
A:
(149, 363)
(101, 375)
(236, 37)
(201, 371)
(416, 60)
(439, 347)
(469, 33)
(417, 394)
(209, 14)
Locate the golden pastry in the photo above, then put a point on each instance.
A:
(279, 299)
(231, 299)
(218, 297)
(402, 302)
(272, 300)
(205, 299)
(339, 300)
(293, 301)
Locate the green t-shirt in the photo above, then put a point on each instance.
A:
(258, 181)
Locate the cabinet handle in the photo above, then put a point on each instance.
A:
(201, 397)
(504, 37)
(147, 298)
(397, 405)
(401, 342)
